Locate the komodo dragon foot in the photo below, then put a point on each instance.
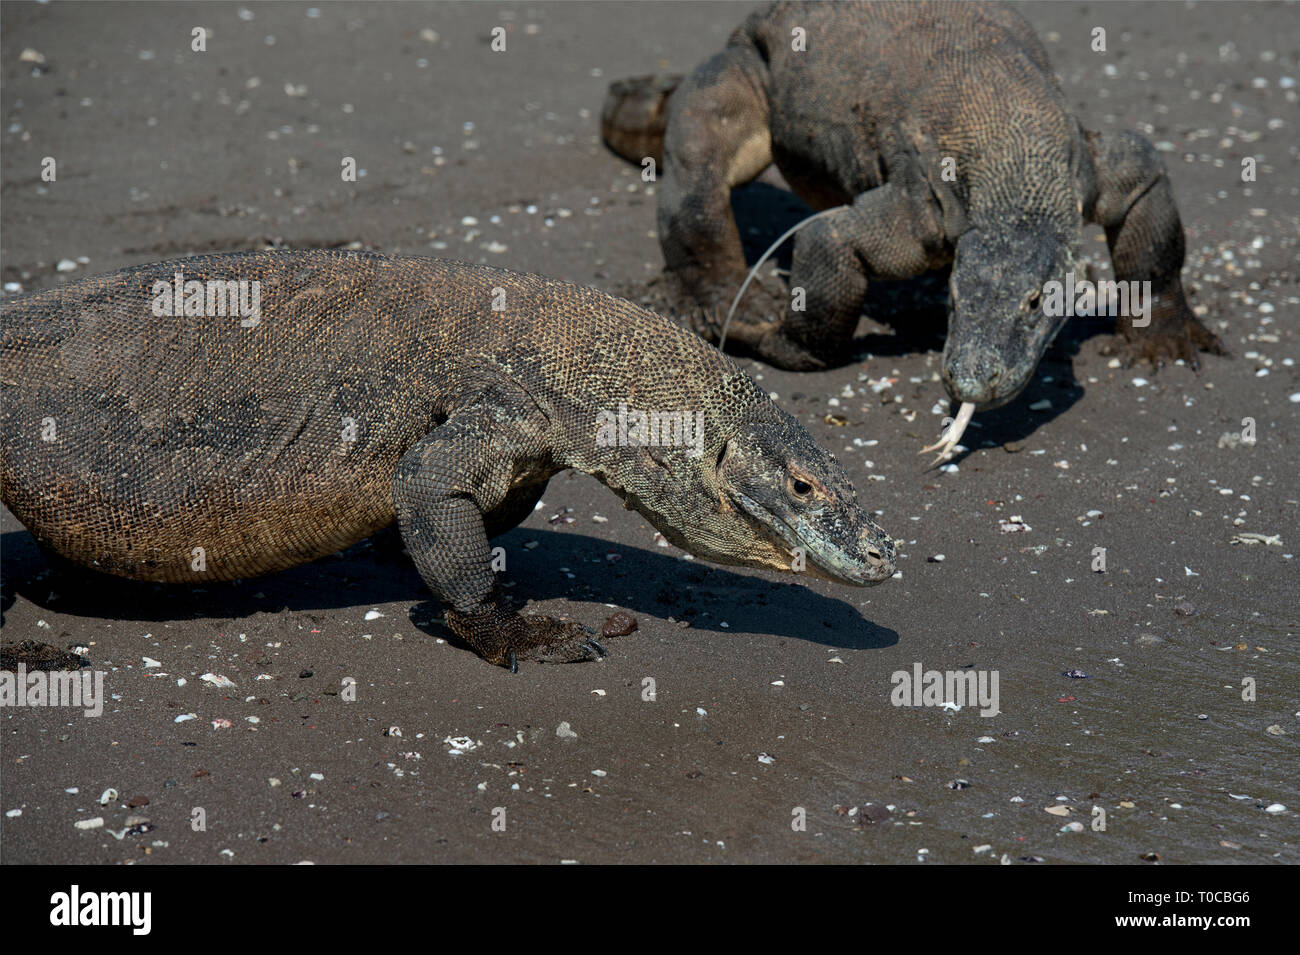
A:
(1174, 333)
(533, 637)
(755, 328)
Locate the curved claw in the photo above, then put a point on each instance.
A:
(948, 440)
(593, 647)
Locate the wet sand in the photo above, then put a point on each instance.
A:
(1119, 691)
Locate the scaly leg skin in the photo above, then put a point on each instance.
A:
(883, 234)
(717, 138)
(1135, 205)
(501, 636)
(442, 488)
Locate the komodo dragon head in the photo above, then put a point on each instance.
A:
(764, 494)
(997, 329)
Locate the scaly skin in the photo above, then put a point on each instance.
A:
(376, 388)
(866, 119)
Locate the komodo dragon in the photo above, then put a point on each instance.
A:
(351, 389)
(939, 135)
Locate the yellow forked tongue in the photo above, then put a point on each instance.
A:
(949, 439)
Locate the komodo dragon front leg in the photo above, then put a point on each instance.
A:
(885, 233)
(467, 480)
(1135, 205)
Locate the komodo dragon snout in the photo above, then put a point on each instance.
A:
(801, 511)
(998, 323)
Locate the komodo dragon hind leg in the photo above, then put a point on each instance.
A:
(717, 138)
(442, 488)
(1135, 205)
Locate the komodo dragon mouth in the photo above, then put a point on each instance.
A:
(803, 513)
(825, 559)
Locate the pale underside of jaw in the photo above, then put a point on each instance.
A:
(823, 558)
(948, 440)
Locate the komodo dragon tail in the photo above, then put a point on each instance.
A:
(636, 115)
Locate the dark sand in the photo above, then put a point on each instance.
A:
(771, 693)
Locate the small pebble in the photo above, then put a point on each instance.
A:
(620, 624)
(871, 814)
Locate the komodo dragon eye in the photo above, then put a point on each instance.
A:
(1035, 299)
(802, 488)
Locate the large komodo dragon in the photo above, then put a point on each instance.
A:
(864, 107)
(360, 388)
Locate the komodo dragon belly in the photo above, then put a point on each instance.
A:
(177, 452)
(165, 494)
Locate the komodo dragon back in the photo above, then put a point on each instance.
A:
(226, 416)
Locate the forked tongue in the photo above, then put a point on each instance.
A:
(948, 440)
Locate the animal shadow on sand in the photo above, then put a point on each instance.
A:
(376, 572)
